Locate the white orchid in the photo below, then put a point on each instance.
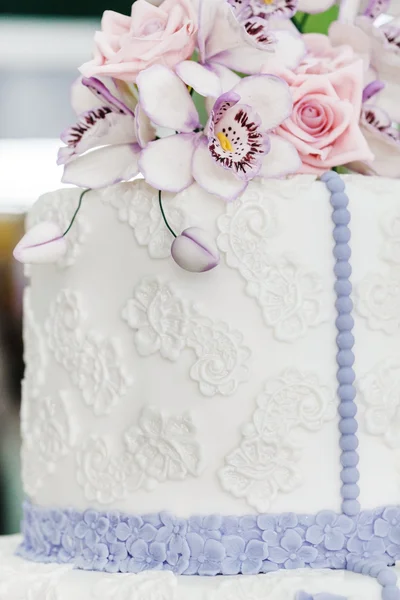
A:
(234, 148)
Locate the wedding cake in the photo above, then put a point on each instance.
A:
(211, 401)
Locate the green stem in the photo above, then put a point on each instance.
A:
(163, 214)
(303, 22)
(295, 23)
(76, 212)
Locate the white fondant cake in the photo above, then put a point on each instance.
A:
(149, 388)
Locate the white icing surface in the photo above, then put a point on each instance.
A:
(22, 580)
(161, 389)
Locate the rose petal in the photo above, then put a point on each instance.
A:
(268, 95)
(41, 244)
(201, 79)
(103, 167)
(166, 100)
(166, 164)
(213, 178)
(281, 160)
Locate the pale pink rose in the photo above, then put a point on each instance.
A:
(126, 46)
(324, 125)
(323, 57)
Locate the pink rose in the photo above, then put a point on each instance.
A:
(323, 57)
(324, 125)
(127, 45)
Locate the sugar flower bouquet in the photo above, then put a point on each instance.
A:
(220, 92)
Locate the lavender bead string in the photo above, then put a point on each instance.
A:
(348, 426)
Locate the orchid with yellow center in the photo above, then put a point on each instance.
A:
(236, 145)
(103, 147)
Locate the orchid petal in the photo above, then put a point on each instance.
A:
(314, 6)
(228, 80)
(82, 99)
(166, 163)
(269, 96)
(166, 100)
(44, 243)
(198, 77)
(214, 178)
(103, 167)
(282, 159)
(145, 131)
(289, 50)
(98, 88)
(98, 127)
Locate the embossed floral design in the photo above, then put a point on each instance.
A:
(93, 362)
(292, 553)
(221, 364)
(378, 299)
(160, 318)
(137, 205)
(159, 448)
(164, 447)
(330, 559)
(380, 394)
(208, 527)
(330, 530)
(266, 461)
(391, 230)
(166, 323)
(94, 558)
(146, 556)
(59, 207)
(242, 557)
(159, 585)
(99, 375)
(289, 297)
(35, 356)
(206, 555)
(48, 435)
(105, 478)
(245, 527)
(63, 327)
(71, 547)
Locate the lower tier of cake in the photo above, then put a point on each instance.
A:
(24, 580)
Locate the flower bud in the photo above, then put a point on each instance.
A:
(195, 250)
(44, 243)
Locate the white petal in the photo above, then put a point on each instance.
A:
(166, 164)
(243, 58)
(289, 49)
(145, 132)
(166, 100)
(314, 6)
(268, 95)
(213, 178)
(227, 77)
(41, 244)
(82, 99)
(281, 160)
(103, 167)
(198, 77)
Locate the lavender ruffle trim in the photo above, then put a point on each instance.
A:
(210, 545)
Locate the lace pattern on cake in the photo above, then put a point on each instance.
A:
(266, 462)
(137, 205)
(159, 448)
(94, 362)
(379, 393)
(164, 322)
(59, 207)
(378, 294)
(290, 297)
(48, 436)
(35, 356)
(143, 586)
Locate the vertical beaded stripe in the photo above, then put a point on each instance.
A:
(348, 426)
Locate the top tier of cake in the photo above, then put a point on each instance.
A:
(149, 388)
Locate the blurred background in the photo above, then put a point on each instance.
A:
(42, 43)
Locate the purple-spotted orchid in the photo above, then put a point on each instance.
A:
(103, 147)
(382, 135)
(377, 39)
(236, 145)
(228, 41)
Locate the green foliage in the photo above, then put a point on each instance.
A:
(318, 23)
